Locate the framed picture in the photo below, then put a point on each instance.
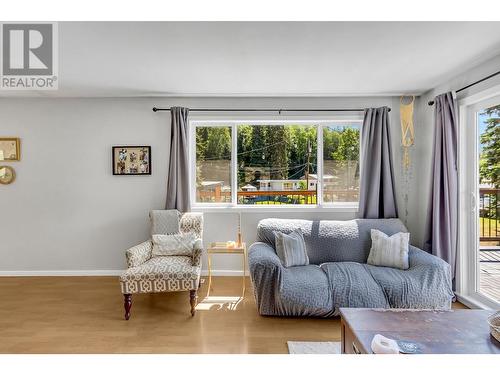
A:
(131, 160)
(10, 149)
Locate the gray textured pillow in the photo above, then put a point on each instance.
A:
(291, 248)
(173, 244)
(389, 251)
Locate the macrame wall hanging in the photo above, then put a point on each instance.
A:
(407, 141)
(407, 130)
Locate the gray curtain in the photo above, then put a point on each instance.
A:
(377, 197)
(442, 221)
(178, 171)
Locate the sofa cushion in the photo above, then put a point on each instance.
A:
(389, 251)
(303, 291)
(161, 274)
(173, 244)
(331, 241)
(291, 248)
(352, 285)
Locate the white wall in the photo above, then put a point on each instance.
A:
(424, 134)
(67, 212)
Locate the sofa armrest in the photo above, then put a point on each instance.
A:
(139, 254)
(421, 258)
(266, 272)
(436, 271)
(261, 254)
(197, 252)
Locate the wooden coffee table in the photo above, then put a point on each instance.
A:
(436, 332)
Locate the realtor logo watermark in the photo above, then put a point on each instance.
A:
(28, 56)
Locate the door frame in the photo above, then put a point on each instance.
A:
(468, 266)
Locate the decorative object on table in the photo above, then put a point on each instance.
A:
(228, 247)
(153, 274)
(131, 160)
(389, 251)
(10, 149)
(314, 347)
(494, 322)
(7, 175)
(383, 345)
(409, 347)
(239, 239)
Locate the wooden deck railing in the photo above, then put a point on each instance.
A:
(489, 215)
(278, 196)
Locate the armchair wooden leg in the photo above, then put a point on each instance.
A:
(127, 303)
(193, 297)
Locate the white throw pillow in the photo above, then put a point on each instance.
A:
(389, 251)
(173, 244)
(291, 248)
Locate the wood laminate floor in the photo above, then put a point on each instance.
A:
(85, 315)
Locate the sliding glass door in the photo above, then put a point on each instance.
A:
(488, 141)
(480, 170)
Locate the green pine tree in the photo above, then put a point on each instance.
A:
(489, 167)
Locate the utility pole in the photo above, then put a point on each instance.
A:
(307, 163)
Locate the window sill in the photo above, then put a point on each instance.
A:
(476, 301)
(276, 208)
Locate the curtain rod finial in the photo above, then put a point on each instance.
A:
(431, 102)
(155, 109)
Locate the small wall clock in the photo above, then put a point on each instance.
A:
(7, 175)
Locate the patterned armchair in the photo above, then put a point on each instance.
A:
(147, 274)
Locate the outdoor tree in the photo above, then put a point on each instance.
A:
(489, 168)
(348, 146)
(278, 153)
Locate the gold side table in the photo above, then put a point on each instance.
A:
(223, 248)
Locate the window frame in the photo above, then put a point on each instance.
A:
(320, 122)
(468, 266)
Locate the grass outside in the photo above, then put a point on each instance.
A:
(489, 227)
(302, 200)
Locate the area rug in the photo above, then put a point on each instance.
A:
(312, 347)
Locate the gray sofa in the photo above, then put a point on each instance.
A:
(338, 275)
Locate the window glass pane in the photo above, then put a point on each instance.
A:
(341, 163)
(277, 164)
(213, 164)
(488, 122)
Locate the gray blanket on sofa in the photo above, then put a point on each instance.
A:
(320, 289)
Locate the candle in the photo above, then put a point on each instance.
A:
(239, 229)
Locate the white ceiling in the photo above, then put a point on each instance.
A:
(265, 59)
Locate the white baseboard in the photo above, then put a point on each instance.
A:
(63, 273)
(101, 273)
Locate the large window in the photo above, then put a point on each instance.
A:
(213, 164)
(341, 163)
(270, 163)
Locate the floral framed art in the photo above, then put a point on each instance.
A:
(131, 160)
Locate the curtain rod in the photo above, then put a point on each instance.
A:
(471, 84)
(155, 109)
